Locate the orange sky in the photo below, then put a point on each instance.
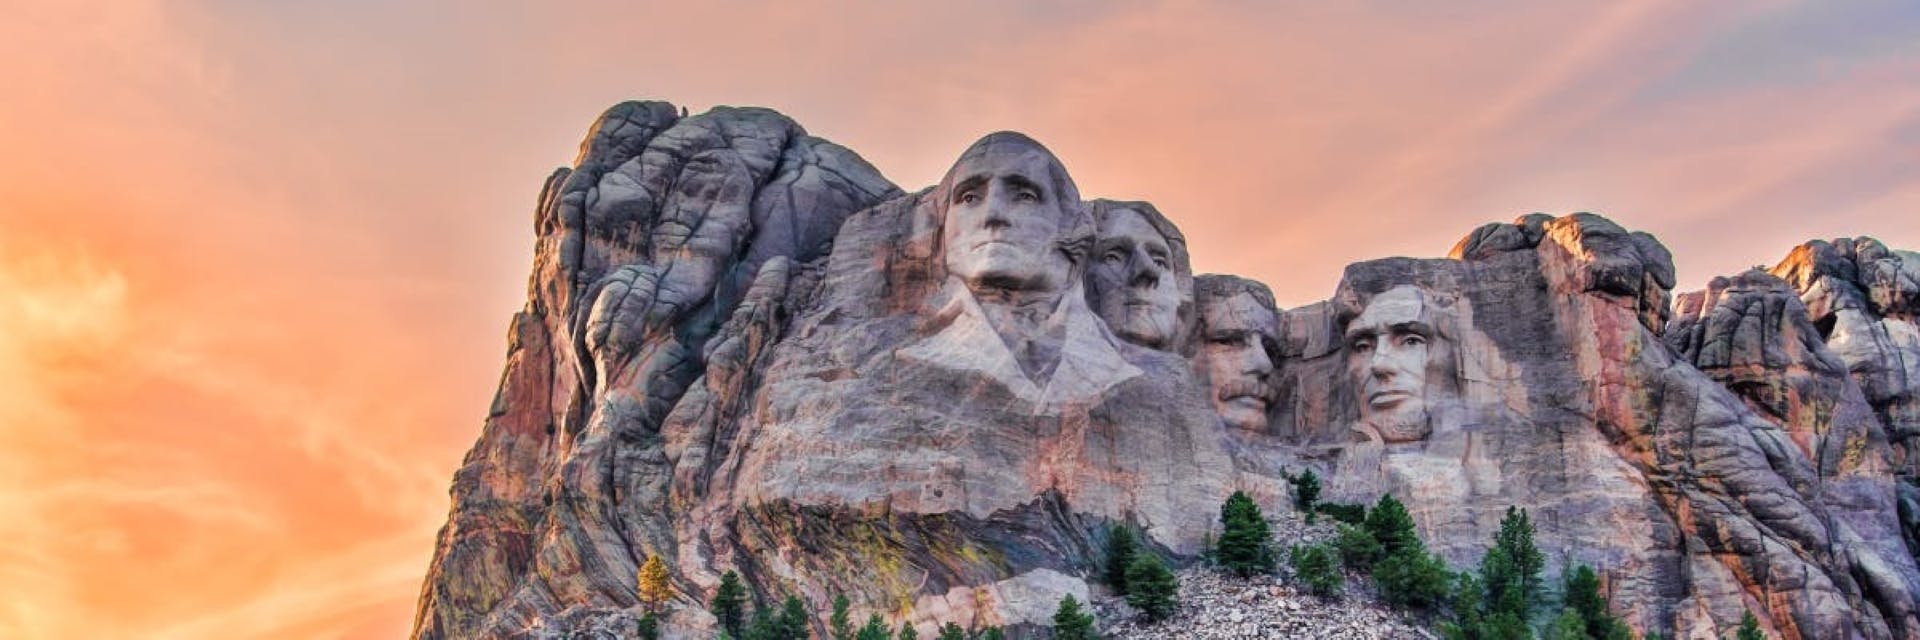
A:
(257, 259)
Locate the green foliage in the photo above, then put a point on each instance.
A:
(1353, 514)
(1749, 628)
(1567, 626)
(907, 632)
(1391, 526)
(729, 604)
(1315, 566)
(951, 631)
(765, 625)
(1583, 597)
(1246, 544)
(794, 620)
(649, 627)
(1120, 552)
(1154, 589)
(1651, 635)
(1358, 549)
(1306, 492)
(840, 625)
(992, 633)
(1511, 569)
(1070, 623)
(874, 629)
(1411, 577)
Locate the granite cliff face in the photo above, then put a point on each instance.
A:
(744, 349)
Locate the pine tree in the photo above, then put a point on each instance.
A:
(874, 629)
(1412, 577)
(1120, 551)
(1583, 596)
(1246, 544)
(1514, 580)
(907, 632)
(992, 633)
(765, 625)
(655, 582)
(1358, 548)
(1314, 566)
(951, 631)
(1750, 628)
(1391, 526)
(1070, 623)
(1155, 590)
(1567, 626)
(794, 620)
(840, 626)
(1464, 603)
(649, 627)
(1306, 493)
(729, 604)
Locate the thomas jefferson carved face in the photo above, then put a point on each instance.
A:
(1005, 213)
(1388, 351)
(1133, 280)
(1236, 346)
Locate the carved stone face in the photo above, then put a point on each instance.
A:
(1132, 279)
(1387, 354)
(1234, 353)
(1003, 218)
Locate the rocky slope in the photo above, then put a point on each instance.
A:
(744, 349)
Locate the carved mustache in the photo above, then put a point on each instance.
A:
(1232, 389)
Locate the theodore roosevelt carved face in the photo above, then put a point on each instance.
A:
(1237, 348)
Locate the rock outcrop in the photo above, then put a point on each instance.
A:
(745, 350)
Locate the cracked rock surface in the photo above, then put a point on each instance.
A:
(743, 350)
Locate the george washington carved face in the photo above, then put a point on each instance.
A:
(1010, 213)
(1390, 347)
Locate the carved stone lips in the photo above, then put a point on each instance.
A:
(1388, 397)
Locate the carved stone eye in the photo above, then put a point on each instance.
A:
(970, 197)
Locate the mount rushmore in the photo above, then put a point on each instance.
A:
(744, 349)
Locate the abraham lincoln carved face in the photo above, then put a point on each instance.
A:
(1391, 345)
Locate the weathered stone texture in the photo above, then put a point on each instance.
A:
(744, 349)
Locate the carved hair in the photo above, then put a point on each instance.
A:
(1176, 242)
(1075, 238)
(1218, 287)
